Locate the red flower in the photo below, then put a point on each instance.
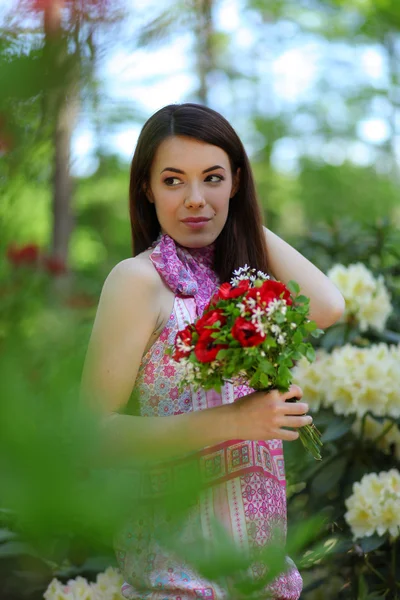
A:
(183, 337)
(227, 291)
(26, 255)
(278, 288)
(208, 319)
(54, 265)
(205, 349)
(269, 291)
(246, 333)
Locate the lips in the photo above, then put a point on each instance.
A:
(196, 220)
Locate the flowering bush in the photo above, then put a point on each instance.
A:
(106, 587)
(374, 505)
(353, 380)
(367, 299)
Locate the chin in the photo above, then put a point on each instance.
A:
(192, 239)
(196, 240)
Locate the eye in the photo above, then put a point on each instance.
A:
(214, 178)
(172, 181)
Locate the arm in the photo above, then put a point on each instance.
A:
(326, 302)
(127, 314)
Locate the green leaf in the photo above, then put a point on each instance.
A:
(310, 354)
(6, 535)
(294, 287)
(302, 299)
(269, 343)
(264, 380)
(317, 333)
(279, 317)
(298, 337)
(362, 588)
(337, 429)
(310, 326)
(326, 479)
(368, 544)
(267, 367)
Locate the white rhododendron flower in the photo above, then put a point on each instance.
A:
(311, 378)
(367, 299)
(353, 380)
(56, 591)
(374, 430)
(374, 505)
(107, 587)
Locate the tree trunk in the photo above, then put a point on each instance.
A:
(204, 45)
(62, 183)
(62, 104)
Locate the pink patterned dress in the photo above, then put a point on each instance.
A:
(247, 494)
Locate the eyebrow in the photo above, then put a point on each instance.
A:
(183, 172)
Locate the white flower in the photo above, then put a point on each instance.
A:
(367, 298)
(56, 591)
(261, 275)
(273, 306)
(354, 380)
(242, 307)
(275, 329)
(311, 377)
(80, 589)
(257, 314)
(107, 587)
(374, 505)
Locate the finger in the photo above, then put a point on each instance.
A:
(287, 435)
(293, 421)
(293, 408)
(294, 392)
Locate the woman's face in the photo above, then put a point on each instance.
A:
(191, 184)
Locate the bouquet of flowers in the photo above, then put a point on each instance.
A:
(253, 330)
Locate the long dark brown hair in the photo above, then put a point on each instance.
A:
(242, 240)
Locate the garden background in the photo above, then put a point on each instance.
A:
(313, 88)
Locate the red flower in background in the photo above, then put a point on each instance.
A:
(23, 255)
(55, 266)
(246, 333)
(30, 255)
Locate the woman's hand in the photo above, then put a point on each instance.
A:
(265, 415)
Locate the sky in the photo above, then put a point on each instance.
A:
(290, 72)
(287, 65)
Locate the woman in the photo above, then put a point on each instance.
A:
(195, 219)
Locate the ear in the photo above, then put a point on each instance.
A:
(148, 192)
(235, 183)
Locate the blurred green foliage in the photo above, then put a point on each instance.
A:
(57, 516)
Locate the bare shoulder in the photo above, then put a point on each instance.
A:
(136, 273)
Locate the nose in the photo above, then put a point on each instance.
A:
(195, 198)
